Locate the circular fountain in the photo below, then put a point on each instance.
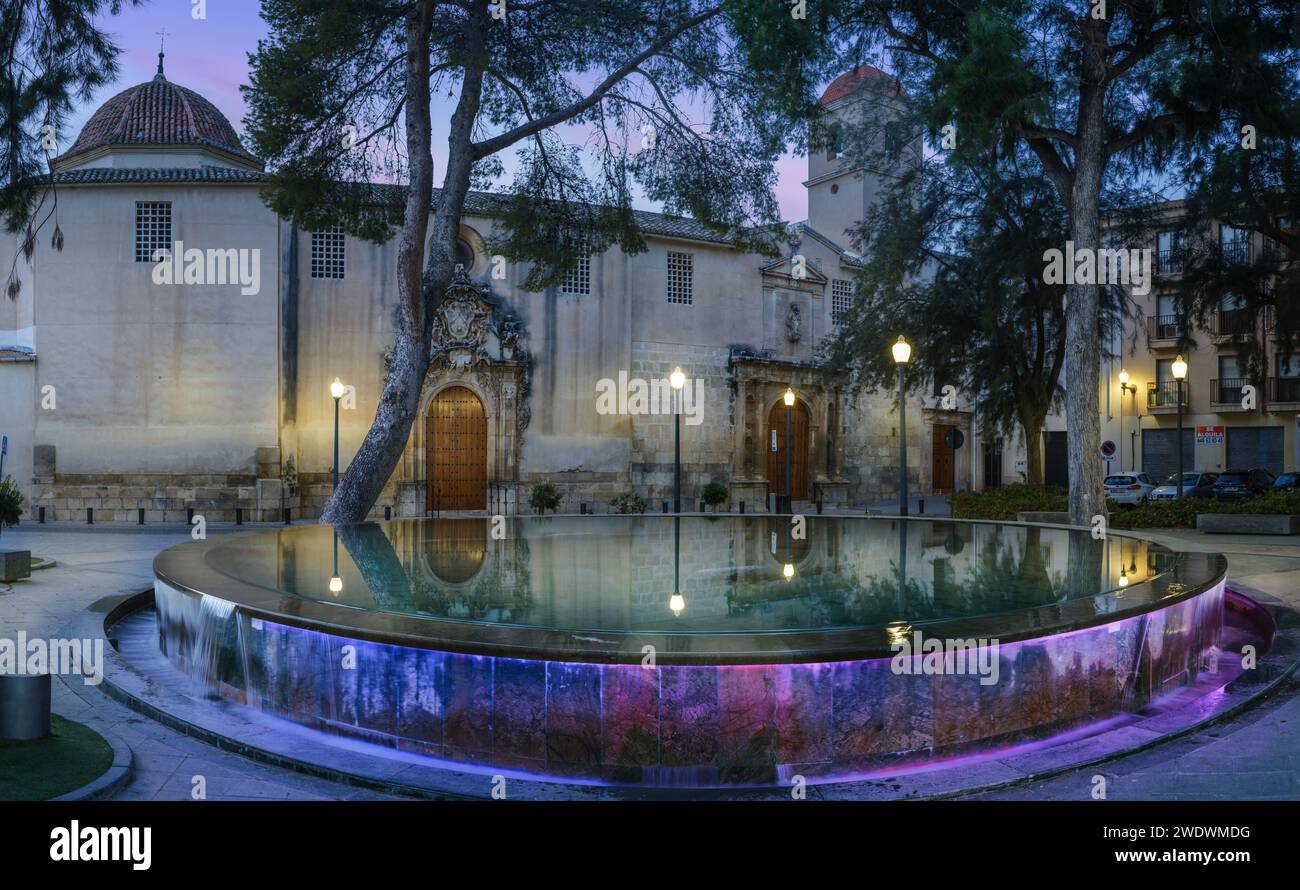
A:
(697, 651)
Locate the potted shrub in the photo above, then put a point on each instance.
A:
(628, 503)
(11, 502)
(714, 494)
(544, 496)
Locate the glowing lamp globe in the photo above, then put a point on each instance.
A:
(677, 378)
(336, 388)
(902, 351)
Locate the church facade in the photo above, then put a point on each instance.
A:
(133, 388)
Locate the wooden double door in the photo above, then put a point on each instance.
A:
(455, 451)
(796, 448)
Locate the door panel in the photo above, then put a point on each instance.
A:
(776, 470)
(456, 451)
(942, 460)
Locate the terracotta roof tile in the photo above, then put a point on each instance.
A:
(862, 76)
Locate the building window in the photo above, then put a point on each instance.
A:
(153, 229)
(1169, 252)
(578, 281)
(1234, 244)
(841, 300)
(681, 270)
(1275, 251)
(327, 260)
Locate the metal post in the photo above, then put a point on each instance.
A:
(1179, 398)
(677, 455)
(336, 444)
(902, 445)
(789, 475)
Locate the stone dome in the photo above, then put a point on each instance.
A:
(157, 113)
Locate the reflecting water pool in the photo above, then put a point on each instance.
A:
(695, 651)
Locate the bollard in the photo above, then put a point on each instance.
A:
(90, 516)
(41, 512)
(388, 513)
(665, 506)
(742, 508)
(189, 515)
(582, 508)
(819, 506)
(286, 515)
(239, 516)
(920, 506)
(140, 516)
(24, 706)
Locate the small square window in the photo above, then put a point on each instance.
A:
(681, 271)
(841, 301)
(153, 229)
(578, 281)
(327, 256)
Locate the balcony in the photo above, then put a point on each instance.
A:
(1164, 327)
(1169, 261)
(1283, 390)
(1232, 323)
(1235, 252)
(1226, 393)
(1163, 396)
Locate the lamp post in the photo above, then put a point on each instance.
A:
(336, 390)
(902, 352)
(788, 398)
(677, 380)
(1123, 391)
(1179, 369)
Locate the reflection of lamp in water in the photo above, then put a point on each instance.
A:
(677, 380)
(336, 390)
(677, 602)
(788, 570)
(1123, 578)
(336, 583)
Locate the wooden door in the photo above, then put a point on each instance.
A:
(776, 470)
(943, 460)
(455, 451)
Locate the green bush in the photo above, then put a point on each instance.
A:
(1005, 502)
(544, 496)
(628, 503)
(714, 493)
(1172, 514)
(11, 502)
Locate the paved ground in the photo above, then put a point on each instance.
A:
(1254, 756)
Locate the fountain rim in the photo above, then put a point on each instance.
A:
(183, 567)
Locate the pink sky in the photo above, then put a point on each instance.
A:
(210, 56)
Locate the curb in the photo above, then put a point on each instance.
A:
(113, 780)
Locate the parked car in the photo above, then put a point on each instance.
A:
(1129, 489)
(1234, 485)
(1287, 482)
(1195, 485)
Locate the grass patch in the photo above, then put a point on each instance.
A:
(73, 755)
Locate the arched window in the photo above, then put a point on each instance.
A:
(464, 254)
(835, 143)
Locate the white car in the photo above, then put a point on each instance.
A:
(1129, 488)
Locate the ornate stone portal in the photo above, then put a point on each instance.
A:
(477, 344)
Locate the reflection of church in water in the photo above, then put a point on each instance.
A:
(221, 400)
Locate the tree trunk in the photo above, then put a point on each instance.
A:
(1083, 301)
(1031, 424)
(399, 402)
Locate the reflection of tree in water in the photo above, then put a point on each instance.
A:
(456, 571)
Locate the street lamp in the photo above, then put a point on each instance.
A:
(902, 352)
(788, 398)
(677, 380)
(1179, 369)
(336, 390)
(1124, 387)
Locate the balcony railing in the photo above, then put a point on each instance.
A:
(1283, 389)
(1164, 327)
(1232, 323)
(1165, 394)
(1237, 252)
(1274, 252)
(1227, 391)
(1169, 261)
